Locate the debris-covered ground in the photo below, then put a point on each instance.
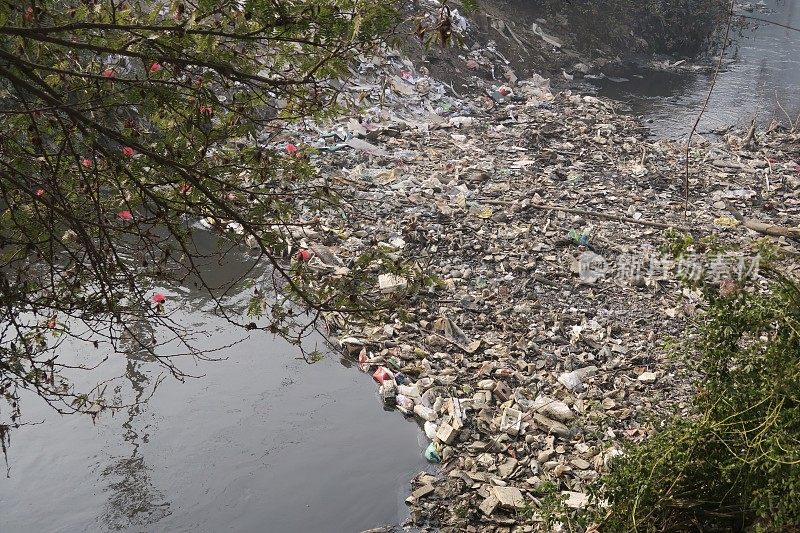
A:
(542, 348)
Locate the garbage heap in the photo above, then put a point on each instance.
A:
(543, 216)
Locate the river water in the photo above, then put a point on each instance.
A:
(760, 80)
(261, 442)
(265, 442)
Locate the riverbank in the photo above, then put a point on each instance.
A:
(541, 349)
(504, 40)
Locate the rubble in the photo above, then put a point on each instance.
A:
(523, 372)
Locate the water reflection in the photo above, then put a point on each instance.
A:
(133, 499)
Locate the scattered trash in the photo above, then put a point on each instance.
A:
(573, 380)
(382, 374)
(578, 237)
(430, 430)
(511, 422)
(529, 354)
(389, 283)
(432, 453)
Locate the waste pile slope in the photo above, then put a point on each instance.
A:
(543, 218)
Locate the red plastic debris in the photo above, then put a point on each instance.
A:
(382, 374)
(304, 255)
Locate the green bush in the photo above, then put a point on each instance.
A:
(735, 464)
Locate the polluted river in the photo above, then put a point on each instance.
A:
(262, 441)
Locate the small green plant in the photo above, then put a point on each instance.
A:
(677, 244)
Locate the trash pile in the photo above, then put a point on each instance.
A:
(542, 216)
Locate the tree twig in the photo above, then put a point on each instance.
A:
(599, 214)
(705, 106)
(762, 227)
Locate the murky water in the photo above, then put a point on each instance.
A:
(261, 442)
(761, 81)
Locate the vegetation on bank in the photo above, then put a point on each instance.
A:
(733, 464)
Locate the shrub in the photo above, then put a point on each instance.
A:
(735, 464)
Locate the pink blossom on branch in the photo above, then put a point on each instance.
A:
(125, 215)
(128, 151)
(159, 298)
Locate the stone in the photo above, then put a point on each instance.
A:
(575, 500)
(507, 468)
(509, 497)
(552, 426)
(423, 491)
(489, 505)
(580, 463)
(389, 283)
(648, 377)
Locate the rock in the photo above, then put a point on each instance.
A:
(580, 463)
(575, 500)
(489, 505)
(545, 456)
(508, 497)
(423, 491)
(507, 468)
(446, 433)
(648, 377)
(552, 426)
(389, 283)
(583, 68)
